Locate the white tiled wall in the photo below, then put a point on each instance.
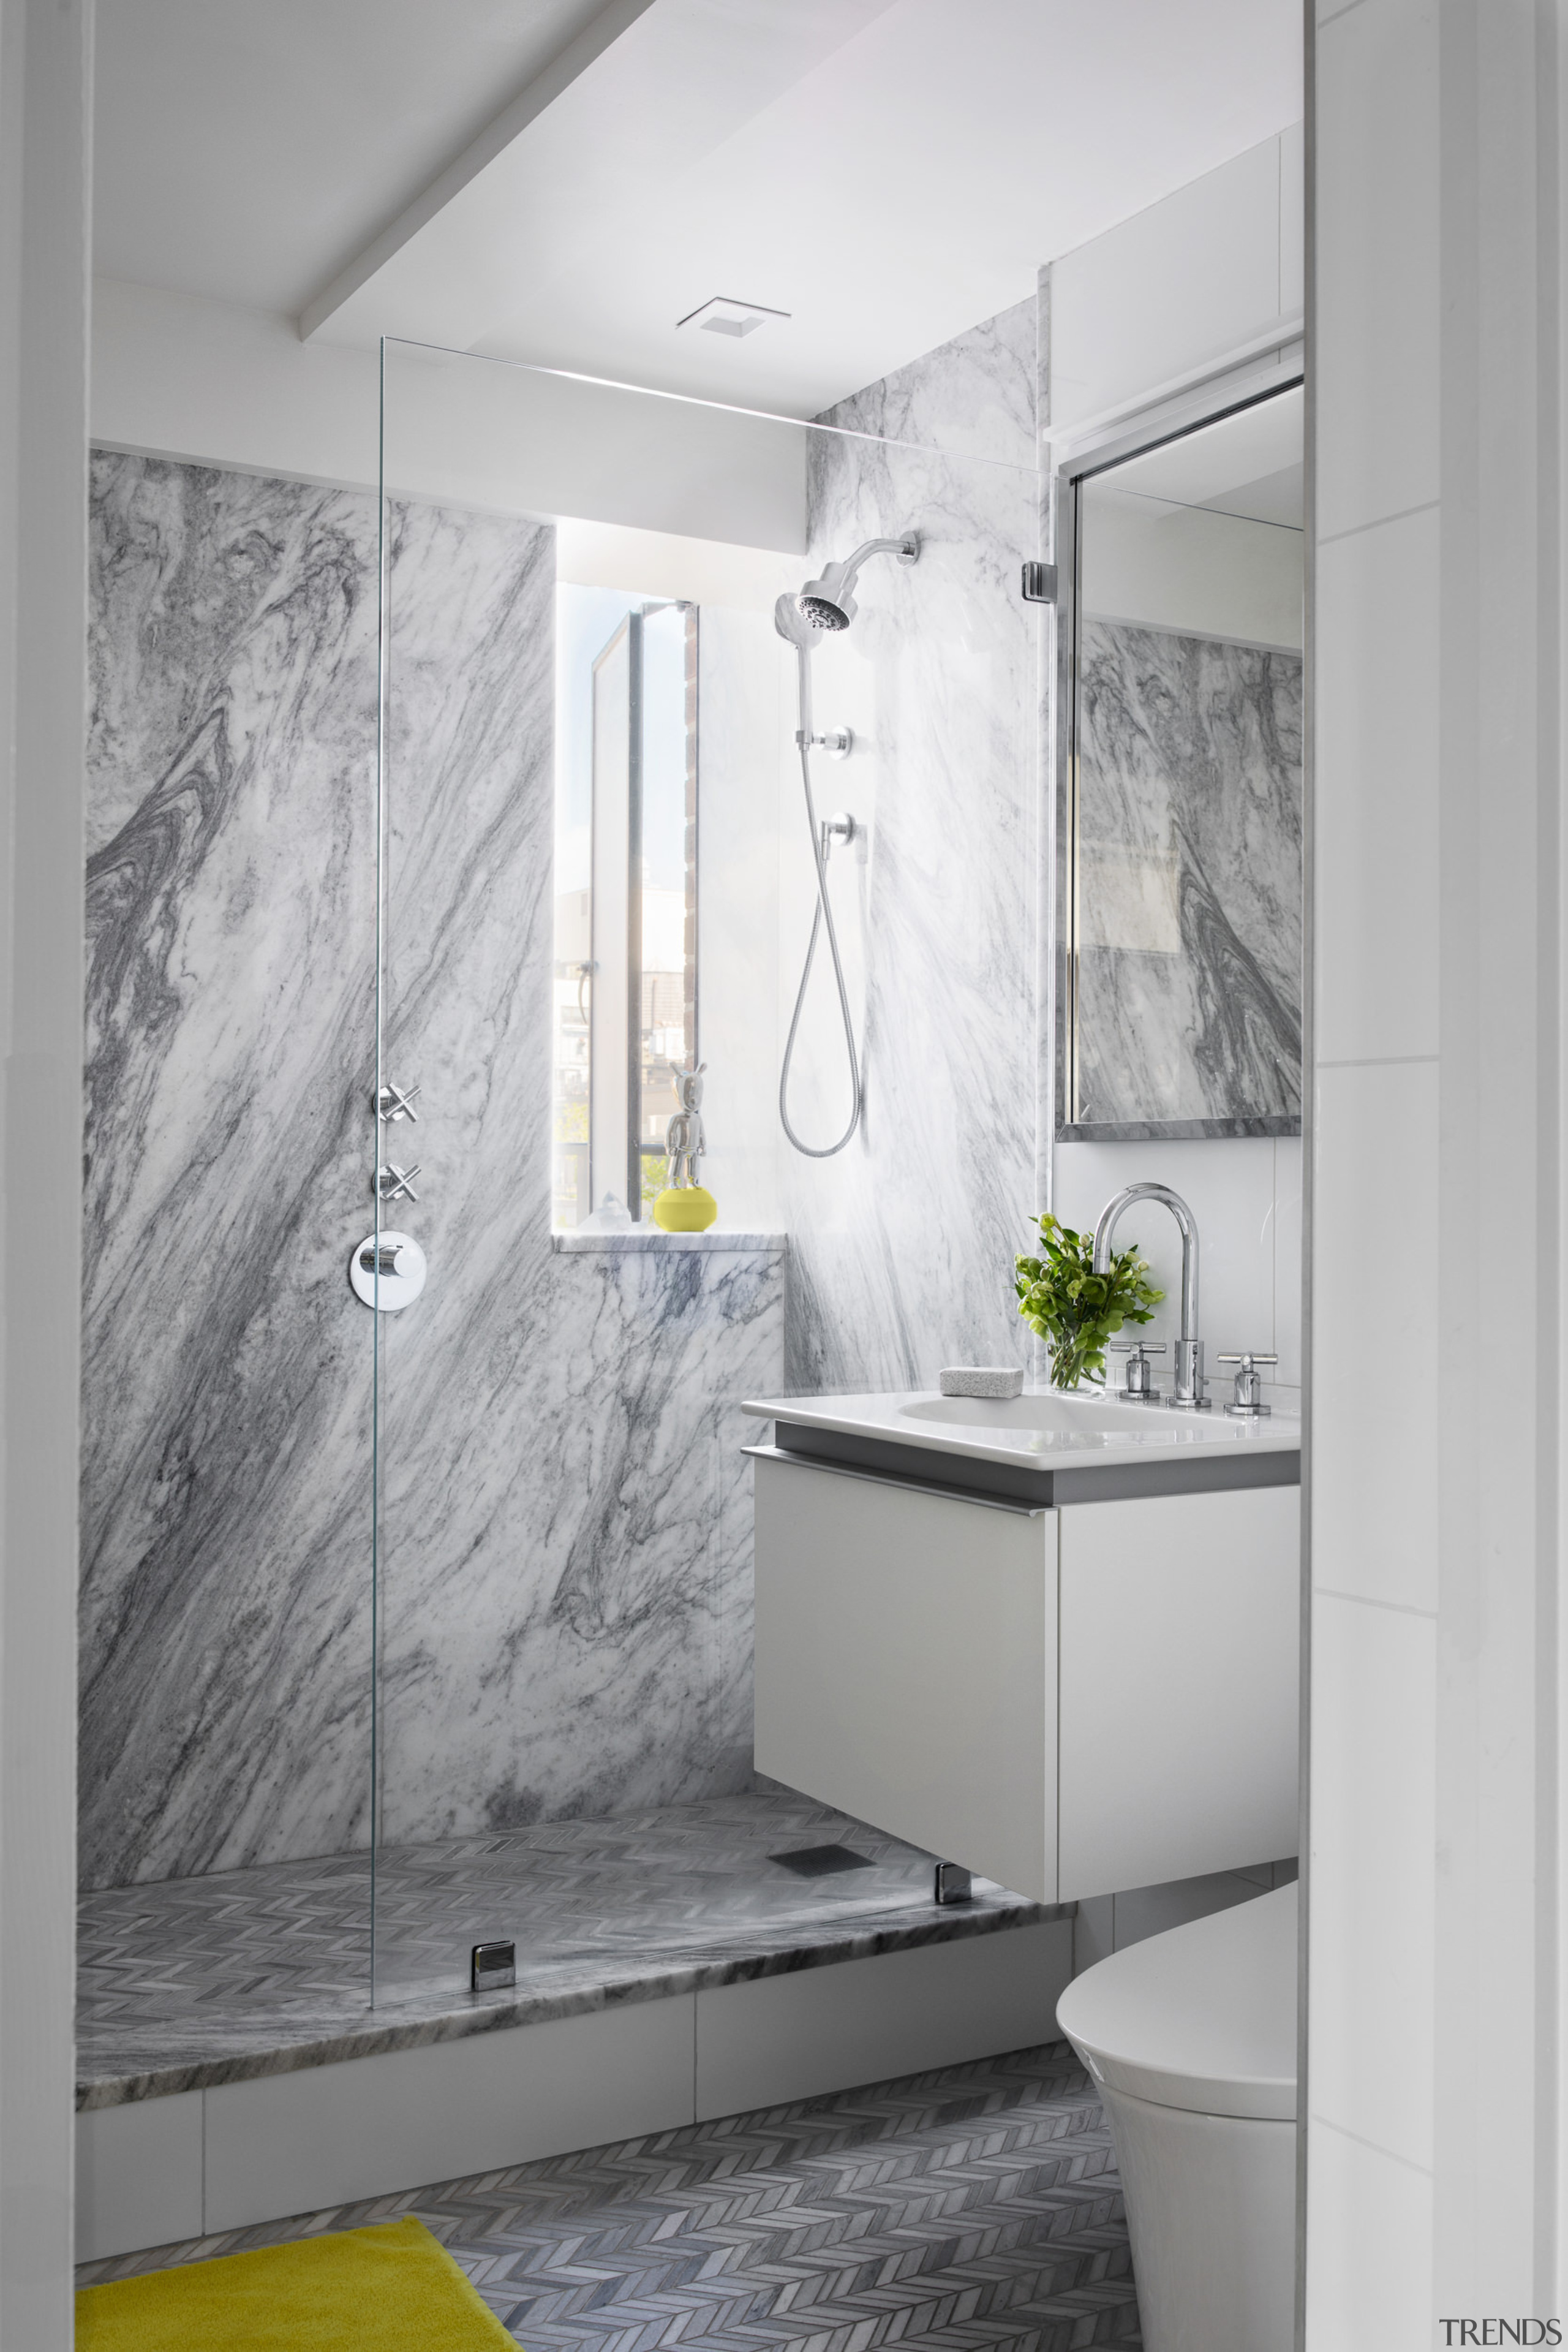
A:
(1246, 1193)
(1436, 2072)
(1374, 1487)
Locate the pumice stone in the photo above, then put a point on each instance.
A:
(982, 1381)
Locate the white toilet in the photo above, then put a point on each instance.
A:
(1191, 2037)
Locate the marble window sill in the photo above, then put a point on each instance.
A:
(650, 1238)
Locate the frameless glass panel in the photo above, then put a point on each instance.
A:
(1182, 900)
(599, 871)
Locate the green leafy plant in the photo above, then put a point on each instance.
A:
(1075, 1309)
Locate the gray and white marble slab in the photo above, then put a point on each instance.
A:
(1188, 988)
(902, 1245)
(192, 1982)
(649, 1240)
(564, 1524)
(225, 1617)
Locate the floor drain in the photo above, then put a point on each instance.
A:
(821, 1860)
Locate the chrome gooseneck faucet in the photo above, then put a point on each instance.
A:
(1189, 1380)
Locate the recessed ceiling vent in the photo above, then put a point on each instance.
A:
(722, 317)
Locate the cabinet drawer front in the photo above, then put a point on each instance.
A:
(1179, 1645)
(906, 1665)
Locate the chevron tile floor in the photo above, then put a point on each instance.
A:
(182, 1981)
(977, 2206)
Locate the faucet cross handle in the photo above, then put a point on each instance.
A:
(1137, 1352)
(394, 1103)
(1247, 1403)
(395, 1183)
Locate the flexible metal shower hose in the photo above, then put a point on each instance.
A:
(822, 916)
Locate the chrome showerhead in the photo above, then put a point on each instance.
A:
(827, 604)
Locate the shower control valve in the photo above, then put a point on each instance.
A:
(387, 1270)
(395, 1183)
(394, 1103)
(841, 828)
(1247, 1403)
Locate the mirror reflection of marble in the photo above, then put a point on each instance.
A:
(1181, 833)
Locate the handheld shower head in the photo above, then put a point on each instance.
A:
(828, 604)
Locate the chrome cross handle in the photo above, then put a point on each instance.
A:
(395, 1183)
(1248, 1402)
(1137, 1352)
(394, 1103)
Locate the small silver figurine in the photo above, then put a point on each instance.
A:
(684, 1140)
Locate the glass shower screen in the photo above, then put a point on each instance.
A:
(596, 872)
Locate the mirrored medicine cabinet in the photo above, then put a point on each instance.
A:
(1179, 822)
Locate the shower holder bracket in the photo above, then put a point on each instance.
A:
(838, 742)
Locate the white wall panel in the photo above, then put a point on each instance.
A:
(138, 2176)
(790, 2037)
(1376, 328)
(1369, 2248)
(1376, 799)
(1372, 1875)
(1190, 279)
(46, 79)
(291, 2142)
(1438, 1846)
(1287, 1234)
(1375, 1520)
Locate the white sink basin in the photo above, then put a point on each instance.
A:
(1040, 1427)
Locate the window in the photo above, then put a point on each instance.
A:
(625, 974)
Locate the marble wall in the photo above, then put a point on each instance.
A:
(1189, 881)
(903, 1244)
(563, 1542)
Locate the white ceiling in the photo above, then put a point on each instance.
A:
(888, 172)
(247, 149)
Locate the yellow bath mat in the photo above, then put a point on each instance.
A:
(388, 2289)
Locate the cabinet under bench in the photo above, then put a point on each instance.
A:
(1070, 1696)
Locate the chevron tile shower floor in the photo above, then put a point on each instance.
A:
(192, 1981)
(977, 2206)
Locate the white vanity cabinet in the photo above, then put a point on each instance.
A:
(1071, 1700)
